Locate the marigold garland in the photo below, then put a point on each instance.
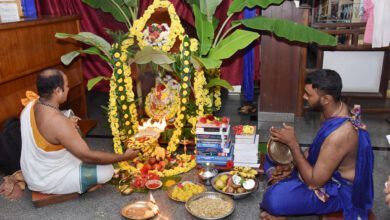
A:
(123, 115)
(185, 90)
(176, 29)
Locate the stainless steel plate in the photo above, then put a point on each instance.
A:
(210, 195)
(140, 210)
(234, 195)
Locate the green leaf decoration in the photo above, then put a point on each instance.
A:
(193, 2)
(239, 5)
(196, 62)
(131, 3)
(219, 82)
(117, 8)
(167, 67)
(209, 63)
(289, 30)
(204, 30)
(96, 51)
(89, 39)
(69, 57)
(239, 39)
(92, 82)
(208, 7)
(215, 23)
(148, 54)
(66, 59)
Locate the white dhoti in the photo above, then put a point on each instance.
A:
(52, 169)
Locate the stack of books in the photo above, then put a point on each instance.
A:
(213, 142)
(246, 146)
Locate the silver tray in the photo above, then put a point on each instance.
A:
(210, 195)
(234, 195)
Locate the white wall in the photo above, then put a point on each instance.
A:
(360, 70)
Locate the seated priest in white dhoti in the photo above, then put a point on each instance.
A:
(55, 159)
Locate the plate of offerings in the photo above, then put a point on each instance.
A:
(210, 205)
(140, 210)
(182, 191)
(141, 140)
(238, 183)
(279, 152)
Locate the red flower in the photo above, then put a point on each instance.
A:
(238, 129)
(203, 120)
(210, 117)
(225, 120)
(229, 164)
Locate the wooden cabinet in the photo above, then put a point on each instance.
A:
(28, 47)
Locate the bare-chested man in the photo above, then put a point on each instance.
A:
(55, 158)
(337, 173)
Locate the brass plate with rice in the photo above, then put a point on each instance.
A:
(279, 152)
(140, 210)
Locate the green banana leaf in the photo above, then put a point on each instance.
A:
(92, 82)
(289, 30)
(208, 7)
(204, 30)
(68, 58)
(239, 5)
(193, 2)
(89, 39)
(239, 39)
(117, 8)
(219, 82)
(208, 62)
(148, 54)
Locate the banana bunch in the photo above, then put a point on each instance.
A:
(245, 172)
(148, 149)
(125, 189)
(159, 153)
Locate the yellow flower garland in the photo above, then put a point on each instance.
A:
(121, 103)
(176, 29)
(217, 98)
(187, 69)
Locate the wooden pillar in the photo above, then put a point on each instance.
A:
(283, 66)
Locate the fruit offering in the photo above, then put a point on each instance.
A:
(244, 172)
(140, 141)
(184, 190)
(233, 183)
(212, 120)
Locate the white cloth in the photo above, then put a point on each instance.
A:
(52, 172)
(381, 30)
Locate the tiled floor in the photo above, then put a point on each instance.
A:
(104, 203)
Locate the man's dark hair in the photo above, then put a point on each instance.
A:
(327, 81)
(49, 80)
